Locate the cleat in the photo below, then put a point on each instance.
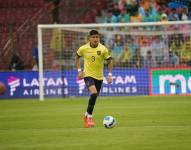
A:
(88, 121)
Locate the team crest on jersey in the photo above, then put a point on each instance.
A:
(98, 52)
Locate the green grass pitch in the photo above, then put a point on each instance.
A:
(143, 123)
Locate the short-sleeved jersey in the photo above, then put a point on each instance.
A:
(94, 60)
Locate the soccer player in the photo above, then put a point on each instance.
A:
(94, 54)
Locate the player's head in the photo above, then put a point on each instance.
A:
(94, 38)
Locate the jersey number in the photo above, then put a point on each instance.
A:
(93, 58)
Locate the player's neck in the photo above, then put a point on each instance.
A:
(93, 45)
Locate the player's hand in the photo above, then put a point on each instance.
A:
(109, 79)
(80, 75)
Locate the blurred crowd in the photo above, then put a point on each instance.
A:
(138, 50)
(130, 46)
(147, 11)
(171, 50)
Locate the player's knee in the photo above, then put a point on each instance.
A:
(92, 90)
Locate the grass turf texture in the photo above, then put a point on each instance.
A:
(143, 123)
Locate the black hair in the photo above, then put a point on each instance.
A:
(93, 32)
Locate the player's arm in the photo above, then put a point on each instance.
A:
(78, 62)
(78, 66)
(110, 67)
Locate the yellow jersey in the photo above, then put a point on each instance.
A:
(94, 60)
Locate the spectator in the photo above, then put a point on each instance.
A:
(149, 14)
(185, 50)
(136, 18)
(122, 4)
(132, 8)
(115, 10)
(176, 44)
(137, 60)
(108, 38)
(172, 60)
(124, 16)
(164, 17)
(173, 16)
(144, 49)
(125, 56)
(159, 49)
(132, 46)
(110, 18)
(118, 46)
(35, 58)
(141, 9)
(16, 63)
(184, 14)
(149, 62)
(49, 60)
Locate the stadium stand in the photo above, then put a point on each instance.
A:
(14, 14)
(19, 19)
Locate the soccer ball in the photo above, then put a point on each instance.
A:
(2, 88)
(109, 122)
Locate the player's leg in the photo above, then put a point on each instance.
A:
(94, 90)
(90, 83)
(92, 100)
(98, 84)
